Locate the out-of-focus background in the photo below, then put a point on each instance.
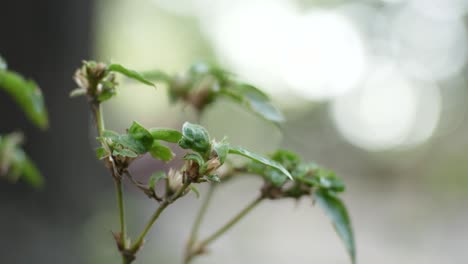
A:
(374, 89)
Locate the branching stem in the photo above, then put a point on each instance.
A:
(141, 238)
(201, 246)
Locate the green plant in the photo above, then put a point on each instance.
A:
(14, 163)
(284, 174)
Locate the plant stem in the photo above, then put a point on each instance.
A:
(138, 243)
(99, 119)
(198, 220)
(120, 203)
(202, 245)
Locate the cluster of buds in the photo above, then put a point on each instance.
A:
(95, 81)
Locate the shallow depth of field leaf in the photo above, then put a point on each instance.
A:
(259, 158)
(141, 134)
(15, 163)
(27, 95)
(165, 134)
(129, 73)
(161, 152)
(222, 150)
(156, 76)
(255, 100)
(336, 211)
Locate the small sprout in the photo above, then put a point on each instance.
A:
(155, 177)
(221, 149)
(195, 137)
(195, 190)
(98, 81)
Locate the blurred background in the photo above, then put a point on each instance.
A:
(373, 89)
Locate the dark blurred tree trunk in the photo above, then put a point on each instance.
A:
(46, 40)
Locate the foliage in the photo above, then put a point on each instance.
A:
(202, 84)
(206, 160)
(14, 163)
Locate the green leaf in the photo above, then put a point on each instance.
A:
(15, 163)
(195, 157)
(30, 173)
(141, 134)
(195, 190)
(195, 137)
(286, 158)
(336, 211)
(124, 153)
(124, 141)
(155, 177)
(161, 152)
(157, 76)
(222, 150)
(260, 159)
(27, 94)
(165, 134)
(3, 64)
(255, 100)
(101, 153)
(129, 73)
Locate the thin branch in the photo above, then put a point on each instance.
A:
(200, 248)
(99, 120)
(199, 218)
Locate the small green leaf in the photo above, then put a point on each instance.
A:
(212, 178)
(124, 142)
(15, 163)
(165, 134)
(195, 190)
(157, 76)
(161, 152)
(30, 173)
(124, 153)
(3, 64)
(129, 73)
(336, 211)
(260, 159)
(110, 134)
(27, 94)
(255, 100)
(222, 150)
(195, 157)
(101, 153)
(195, 137)
(141, 134)
(155, 177)
(106, 94)
(286, 158)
